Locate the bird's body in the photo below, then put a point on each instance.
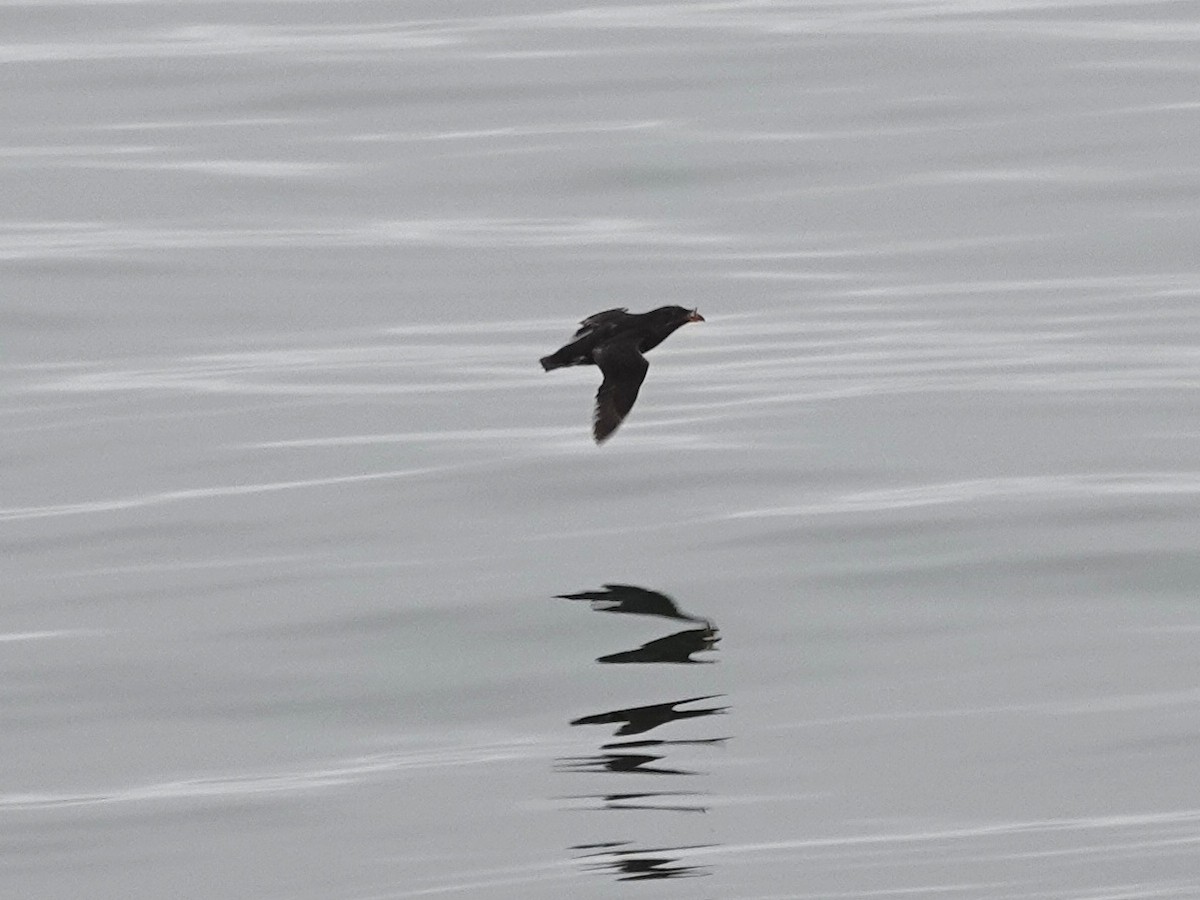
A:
(615, 340)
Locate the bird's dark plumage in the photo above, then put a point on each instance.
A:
(615, 340)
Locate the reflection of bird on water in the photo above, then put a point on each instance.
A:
(636, 763)
(638, 601)
(647, 868)
(624, 758)
(698, 742)
(637, 865)
(654, 801)
(615, 340)
(639, 719)
(674, 648)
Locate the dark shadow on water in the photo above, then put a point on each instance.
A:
(645, 757)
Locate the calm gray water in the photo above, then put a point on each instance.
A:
(288, 507)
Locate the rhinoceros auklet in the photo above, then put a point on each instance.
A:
(615, 340)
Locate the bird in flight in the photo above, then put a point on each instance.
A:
(615, 340)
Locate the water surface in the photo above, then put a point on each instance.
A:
(289, 508)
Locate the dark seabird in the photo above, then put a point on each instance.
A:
(615, 340)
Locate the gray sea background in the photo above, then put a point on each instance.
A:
(287, 504)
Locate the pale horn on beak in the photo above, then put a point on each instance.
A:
(694, 316)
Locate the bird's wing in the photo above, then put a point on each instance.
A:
(601, 318)
(624, 370)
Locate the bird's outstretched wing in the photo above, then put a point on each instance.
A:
(595, 320)
(624, 370)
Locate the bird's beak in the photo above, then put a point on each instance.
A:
(694, 316)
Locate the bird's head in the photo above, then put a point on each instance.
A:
(677, 315)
